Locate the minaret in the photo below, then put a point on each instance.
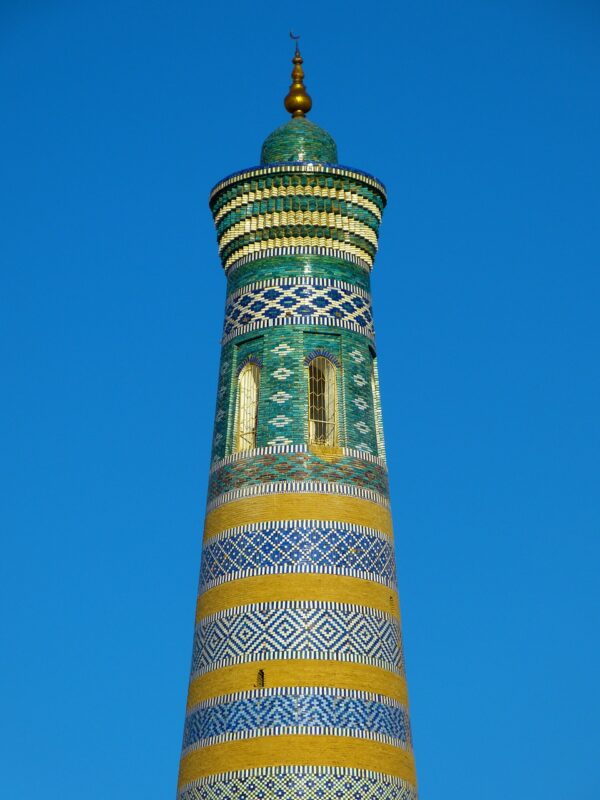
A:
(297, 685)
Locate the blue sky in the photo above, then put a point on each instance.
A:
(483, 120)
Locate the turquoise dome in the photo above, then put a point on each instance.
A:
(299, 140)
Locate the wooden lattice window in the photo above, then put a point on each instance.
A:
(247, 407)
(322, 402)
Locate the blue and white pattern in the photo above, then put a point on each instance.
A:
(297, 629)
(282, 310)
(299, 783)
(311, 487)
(269, 711)
(298, 301)
(335, 548)
(292, 448)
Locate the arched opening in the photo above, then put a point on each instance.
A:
(247, 407)
(322, 402)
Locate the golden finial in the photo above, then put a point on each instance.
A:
(297, 102)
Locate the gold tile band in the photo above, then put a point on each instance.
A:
(298, 751)
(351, 198)
(276, 219)
(281, 506)
(297, 672)
(286, 587)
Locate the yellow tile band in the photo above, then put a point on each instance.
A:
(297, 505)
(299, 586)
(297, 751)
(297, 672)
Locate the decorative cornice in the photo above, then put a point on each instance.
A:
(299, 167)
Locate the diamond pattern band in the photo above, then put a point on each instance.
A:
(297, 629)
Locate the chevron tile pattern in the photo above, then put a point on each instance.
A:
(277, 709)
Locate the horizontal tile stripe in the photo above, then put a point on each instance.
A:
(287, 569)
(305, 710)
(294, 730)
(298, 672)
(297, 750)
(308, 783)
(279, 245)
(298, 586)
(295, 506)
(259, 693)
(349, 452)
(350, 199)
(287, 488)
(305, 319)
(314, 169)
(298, 280)
(298, 250)
(301, 629)
(300, 219)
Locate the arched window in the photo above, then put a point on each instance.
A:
(322, 402)
(247, 407)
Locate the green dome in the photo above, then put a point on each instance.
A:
(299, 140)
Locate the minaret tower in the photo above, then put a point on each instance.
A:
(297, 687)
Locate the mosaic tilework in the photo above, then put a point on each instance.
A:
(283, 396)
(293, 448)
(257, 267)
(297, 467)
(360, 402)
(271, 710)
(298, 629)
(262, 211)
(225, 391)
(378, 415)
(300, 139)
(303, 487)
(303, 546)
(302, 214)
(311, 731)
(326, 175)
(321, 352)
(297, 301)
(300, 783)
(298, 266)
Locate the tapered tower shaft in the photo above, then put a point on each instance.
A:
(297, 685)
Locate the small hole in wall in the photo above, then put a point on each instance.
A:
(260, 678)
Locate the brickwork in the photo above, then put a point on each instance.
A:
(297, 685)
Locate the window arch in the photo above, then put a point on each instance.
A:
(322, 402)
(247, 407)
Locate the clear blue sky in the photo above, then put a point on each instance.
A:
(483, 120)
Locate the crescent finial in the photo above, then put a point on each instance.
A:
(297, 102)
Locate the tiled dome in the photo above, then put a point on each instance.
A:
(299, 140)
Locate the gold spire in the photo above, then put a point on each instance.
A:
(297, 101)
